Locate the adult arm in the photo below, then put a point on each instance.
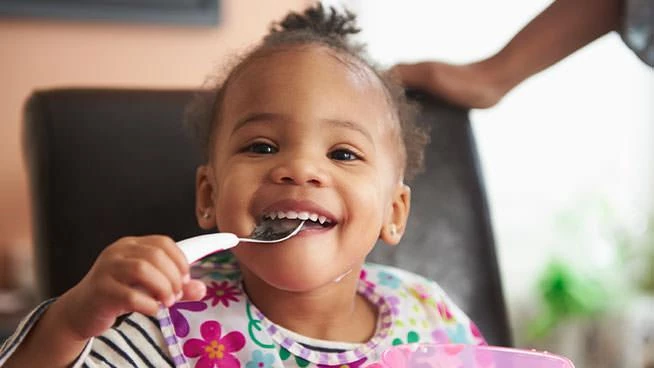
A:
(558, 31)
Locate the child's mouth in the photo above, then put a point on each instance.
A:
(280, 221)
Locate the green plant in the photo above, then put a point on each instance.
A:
(579, 285)
(566, 294)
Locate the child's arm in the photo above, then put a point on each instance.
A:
(561, 29)
(132, 275)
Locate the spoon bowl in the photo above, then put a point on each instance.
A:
(201, 246)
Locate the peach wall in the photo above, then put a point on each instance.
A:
(42, 54)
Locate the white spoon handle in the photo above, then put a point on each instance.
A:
(200, 246)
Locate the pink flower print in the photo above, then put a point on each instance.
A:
(420, 293)
(444, 311)
(477, 334)
(180, 324)
(363, 277)
(355, 364)
(214, 351)
(223, 293)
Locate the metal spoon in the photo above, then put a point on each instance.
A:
(200, 246)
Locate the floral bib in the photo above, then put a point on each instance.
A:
(225, 330)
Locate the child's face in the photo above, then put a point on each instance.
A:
(301, 130)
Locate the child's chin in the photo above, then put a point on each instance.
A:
(297, 282)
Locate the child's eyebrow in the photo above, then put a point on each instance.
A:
(266, 116)
(352, 126)
(261, 116)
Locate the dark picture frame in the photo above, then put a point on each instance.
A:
(174, 12)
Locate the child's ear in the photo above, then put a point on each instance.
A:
(204, 195)
(393, 230)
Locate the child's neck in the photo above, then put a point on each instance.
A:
(335, 312)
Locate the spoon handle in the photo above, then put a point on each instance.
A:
(200, 246)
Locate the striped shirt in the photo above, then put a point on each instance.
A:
(134, 341)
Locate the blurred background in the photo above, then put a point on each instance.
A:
(568, 156)
(40, 52)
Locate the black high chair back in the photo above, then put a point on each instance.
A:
(108, 163)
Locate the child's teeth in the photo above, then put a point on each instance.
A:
(301, 215)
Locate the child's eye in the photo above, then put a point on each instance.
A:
(261, 148)
(343, 155)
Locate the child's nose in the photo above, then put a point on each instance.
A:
(300, 171)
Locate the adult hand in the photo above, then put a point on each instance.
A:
(470, 85)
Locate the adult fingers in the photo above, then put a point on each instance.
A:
(411, 75)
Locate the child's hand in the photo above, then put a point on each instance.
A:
(134, 274)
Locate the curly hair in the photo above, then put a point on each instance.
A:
(321, 27)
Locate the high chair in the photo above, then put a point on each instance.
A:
(105, 163)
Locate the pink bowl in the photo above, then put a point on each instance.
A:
(468, 356)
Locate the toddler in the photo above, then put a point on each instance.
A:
(302, 128)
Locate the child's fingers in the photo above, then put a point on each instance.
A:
(135, 300)
(194, 290)
(172, 250)
(160, 260)
(143, 274)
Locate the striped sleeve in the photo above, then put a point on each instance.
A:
(24, 327)
(136, 341)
